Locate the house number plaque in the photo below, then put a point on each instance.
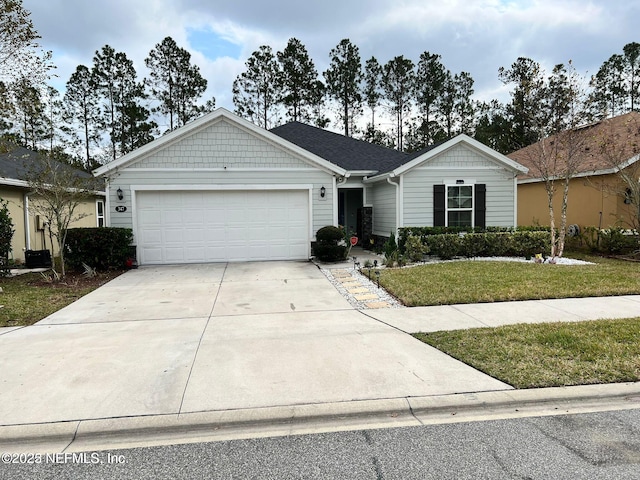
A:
(121, 208)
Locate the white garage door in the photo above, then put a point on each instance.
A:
(217, 226)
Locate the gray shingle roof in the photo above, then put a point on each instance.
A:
(18, 162)
(346, 152)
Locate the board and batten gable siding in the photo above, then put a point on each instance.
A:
(382, 196)
(460, 162)
(221, 156)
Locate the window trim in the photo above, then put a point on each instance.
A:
(100, 217)
(471, 209)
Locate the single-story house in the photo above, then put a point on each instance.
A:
(222, 189)
(597, 197)
(30, 232)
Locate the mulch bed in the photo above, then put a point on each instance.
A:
(76, 279)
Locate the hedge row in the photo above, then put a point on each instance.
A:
(423, 232)
(100, 248)
(489, 244)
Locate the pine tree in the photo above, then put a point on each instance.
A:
(524, 109)
(429, 94)
(343, 79)
(299, 82)
(398, 82)
(371, 89)
(175, 82)
(80, 104)
(257, 92)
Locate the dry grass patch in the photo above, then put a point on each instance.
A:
(548, 355)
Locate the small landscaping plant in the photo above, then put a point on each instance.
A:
(6, 234)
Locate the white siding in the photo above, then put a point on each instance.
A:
(458, 163)
(322, 209)
(383, 197)
(221, 156)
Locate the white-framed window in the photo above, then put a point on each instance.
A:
(459, 206)
(100, 213)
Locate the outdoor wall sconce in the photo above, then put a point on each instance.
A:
(119, 193)
(323, 191)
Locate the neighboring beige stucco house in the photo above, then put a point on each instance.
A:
(30, 234)
(597, 196)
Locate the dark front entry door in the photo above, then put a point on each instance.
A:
(349, 201)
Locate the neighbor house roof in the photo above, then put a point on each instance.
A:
(18, 163)
(346, 152)
(602, 148)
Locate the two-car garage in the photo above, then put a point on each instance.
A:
(221, 189)
(194, 226)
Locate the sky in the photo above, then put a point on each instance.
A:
(476, 36)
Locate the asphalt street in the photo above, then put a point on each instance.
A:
(585, 446)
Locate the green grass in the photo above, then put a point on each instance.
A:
(27, 299)
(548, 355)
(481, 281)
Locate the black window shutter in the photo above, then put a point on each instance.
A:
(480, 210)
(438, 205)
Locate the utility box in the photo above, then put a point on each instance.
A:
(37, 259)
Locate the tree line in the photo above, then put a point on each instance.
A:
(106, 109)
(426, 102)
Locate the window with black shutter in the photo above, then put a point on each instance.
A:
(459, 205)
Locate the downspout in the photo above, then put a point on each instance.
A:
(27, 229)
(515, 201)
(335, 201)
(107, 205)
(397, 205)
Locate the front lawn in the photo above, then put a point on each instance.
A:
(27, 299)
(483, 281)
(548, 355)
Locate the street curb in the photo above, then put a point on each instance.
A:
(139, 431)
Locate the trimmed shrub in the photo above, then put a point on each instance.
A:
(327, 246)
(329, 234)
(330, 253)
(414, 249)
(445, 246)
(100, 248)
(473, 245)
(498, 244)
(529, 243)
(615, 241)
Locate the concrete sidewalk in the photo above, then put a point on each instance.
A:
(478, 315)
(192, 353)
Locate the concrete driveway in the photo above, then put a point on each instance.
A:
(178, 339)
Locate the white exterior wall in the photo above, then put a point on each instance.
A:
(221, 156)
(465, 164)
(382, 196)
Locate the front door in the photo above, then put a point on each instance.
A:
(349, 201)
